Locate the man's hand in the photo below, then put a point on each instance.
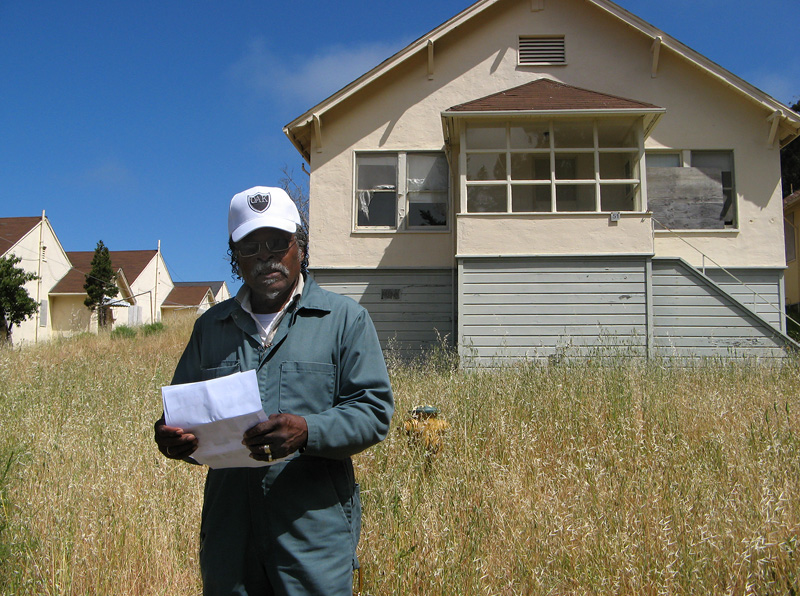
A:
(173, 442)
(279, 436)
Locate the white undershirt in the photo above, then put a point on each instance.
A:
(264, 324)
(267, 323)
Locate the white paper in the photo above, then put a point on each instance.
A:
(217, 412)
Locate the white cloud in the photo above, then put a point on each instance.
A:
(306, 81)
(110, 174)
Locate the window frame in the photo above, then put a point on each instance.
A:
(402, 191)
(635, 180)
(685, 158)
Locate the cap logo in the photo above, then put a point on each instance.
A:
(259, 202)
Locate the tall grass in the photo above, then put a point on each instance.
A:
(563, 479)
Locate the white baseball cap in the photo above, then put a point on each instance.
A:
(261, 207)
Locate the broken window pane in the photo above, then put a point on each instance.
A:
(427, 189)
(530, 136)
(486, 199)
(376, 192)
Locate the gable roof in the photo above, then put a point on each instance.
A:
(773, 107)
(13, 229)
(214, 285)
(187, 294)
(130, 263)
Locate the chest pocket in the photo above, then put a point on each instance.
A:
(226, 367)
(306, 387)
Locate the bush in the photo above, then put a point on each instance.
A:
(123, 332)
(153, 328)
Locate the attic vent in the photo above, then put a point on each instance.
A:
(542, 50)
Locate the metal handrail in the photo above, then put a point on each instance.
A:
(703, 270)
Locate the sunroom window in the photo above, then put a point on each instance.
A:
(401, 190)
(545, 166)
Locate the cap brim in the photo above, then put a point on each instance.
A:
(257, 223)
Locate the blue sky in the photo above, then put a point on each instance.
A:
(134, 122)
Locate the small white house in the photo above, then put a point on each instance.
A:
(143, 282)
(194, 297)
(33, 240)
(537, 177)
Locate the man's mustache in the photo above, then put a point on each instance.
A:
(262, 267)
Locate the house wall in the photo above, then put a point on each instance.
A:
(51, 267)
(553, 234)
(401, 111)
(544, 308)
(692, 318)
(412, 309)
(760, 290)
(70, 315)
(149, 293)
(553, 307)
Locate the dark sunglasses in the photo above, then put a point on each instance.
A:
(276, 246)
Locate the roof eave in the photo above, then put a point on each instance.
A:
(789, 118)
(369, 76)
(565, 112)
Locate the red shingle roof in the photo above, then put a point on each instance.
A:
(12, 229)
(549, 95)
(186, 295)
(132, 263)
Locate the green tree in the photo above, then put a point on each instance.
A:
(15, 303)
(100, 284)
(790, 163)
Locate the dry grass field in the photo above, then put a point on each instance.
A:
(582, 478)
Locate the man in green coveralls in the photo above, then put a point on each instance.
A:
(292, 527)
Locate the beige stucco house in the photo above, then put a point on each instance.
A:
(143, 282)
(33, 240)
(536, 177)
(193, 297)
(145, 288)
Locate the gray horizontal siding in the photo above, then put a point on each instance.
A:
(694, 318)
(534, 308)
(418, 320)
(761, 291)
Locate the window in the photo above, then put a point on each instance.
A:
(691, 190)
(587, 165)
(415, 199)
(542, 50)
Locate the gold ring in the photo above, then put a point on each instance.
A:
(267, 450)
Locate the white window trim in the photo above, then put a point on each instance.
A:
(401, 209)
(552, 150)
